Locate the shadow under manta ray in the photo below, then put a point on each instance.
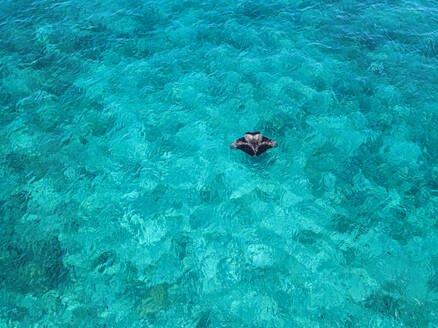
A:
(253, 143)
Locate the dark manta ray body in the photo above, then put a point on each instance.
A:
(253, 143)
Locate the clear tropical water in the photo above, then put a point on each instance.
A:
(123, 206)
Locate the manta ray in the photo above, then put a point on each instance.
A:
(253, 143)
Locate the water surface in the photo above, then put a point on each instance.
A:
(123, 206)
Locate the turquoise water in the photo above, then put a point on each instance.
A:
(122, 204)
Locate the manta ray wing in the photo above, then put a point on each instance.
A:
(247, 149)
(265, 145)
(253, 143)
(244, 146)
(262, 148)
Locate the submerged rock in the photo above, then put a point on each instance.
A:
(156, 299)
(33, 268)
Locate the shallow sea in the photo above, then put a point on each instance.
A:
(122, 204)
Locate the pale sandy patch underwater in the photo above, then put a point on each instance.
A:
(123, 206)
